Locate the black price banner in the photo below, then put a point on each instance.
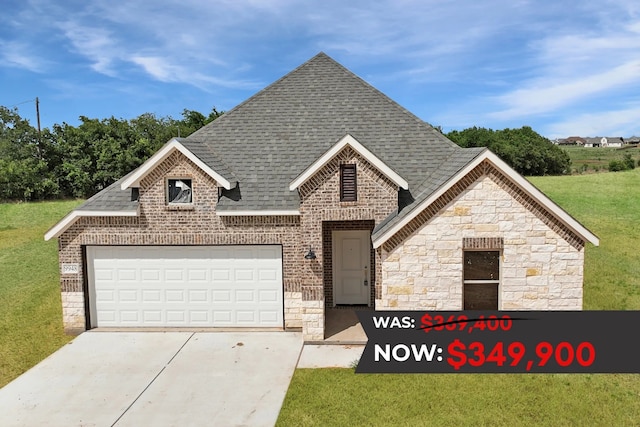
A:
(500, 342)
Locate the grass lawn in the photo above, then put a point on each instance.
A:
(609, 205)
(585, 159)
(31, 315)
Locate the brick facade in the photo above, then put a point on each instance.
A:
(541, 261)
(159, 224)
(322, 211)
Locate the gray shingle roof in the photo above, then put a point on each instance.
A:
(111, 199)
(275, 135)
(268, 140)
(209, 157)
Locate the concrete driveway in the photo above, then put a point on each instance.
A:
(156, 379)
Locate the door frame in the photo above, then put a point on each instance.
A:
(366, 236)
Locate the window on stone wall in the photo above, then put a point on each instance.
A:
(348, 183)
(481, 280)
(179, 191)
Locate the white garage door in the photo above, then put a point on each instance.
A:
(190, 286)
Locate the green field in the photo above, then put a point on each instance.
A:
(596, 159)
(31, 315)
(607, 203)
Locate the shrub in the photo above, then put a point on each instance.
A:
(617, 165)
(628, 161)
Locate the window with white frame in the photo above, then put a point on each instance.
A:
(179, 191)
(481, 279)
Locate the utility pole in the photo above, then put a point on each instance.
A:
(38, 113)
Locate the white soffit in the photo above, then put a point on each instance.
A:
(358, 148)
(162, 154)
(73, 216)
(525, 185)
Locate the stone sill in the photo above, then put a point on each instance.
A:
(185, 207)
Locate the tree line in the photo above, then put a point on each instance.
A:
(523, 149)
(78, 161)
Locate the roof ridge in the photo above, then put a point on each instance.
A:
(323, 56)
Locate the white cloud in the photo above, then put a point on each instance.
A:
(95, 43)
(19, 54)
(546, 94)
(623, 122)
(163, 70)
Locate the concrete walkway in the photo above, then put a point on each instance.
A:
(156, 379)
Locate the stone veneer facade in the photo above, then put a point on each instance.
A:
(541, 262)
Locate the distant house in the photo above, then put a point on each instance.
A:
(605, 141)
(572, 140)
(593, 142)
(612, 141)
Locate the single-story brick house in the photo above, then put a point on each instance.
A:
(318, 191)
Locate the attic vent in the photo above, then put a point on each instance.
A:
(135, 194)
(348, 183)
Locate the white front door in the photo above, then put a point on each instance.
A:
(351, 269)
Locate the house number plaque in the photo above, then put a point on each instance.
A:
(70, 268)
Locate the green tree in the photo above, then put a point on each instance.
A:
(523, 149)
(78, 161)
(25, 154)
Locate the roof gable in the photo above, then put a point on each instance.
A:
(275, 136)
(348, 141)
(175, 144)
(395, 223)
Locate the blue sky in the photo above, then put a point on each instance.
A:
(562, 67)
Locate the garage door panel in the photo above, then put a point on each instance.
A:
(221, 286)
(129, 316)
(268, 316)
(221, 275)
(174, 295)
(246, 295)
(103, 274)
(173, 275)
(151, 295)
(198, 295)
(245, 316)
(265, 296)
(107, 295)
(244, 275)
(151, 317)
(176, 317)
(106, 315)
(221, 296)
(127, 295)
(199, 317)
(198, 275)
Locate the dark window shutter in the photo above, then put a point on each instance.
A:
(348, 183)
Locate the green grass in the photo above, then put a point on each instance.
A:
(31, 314)
(584, 159)
(608, 204)
(338, 397)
